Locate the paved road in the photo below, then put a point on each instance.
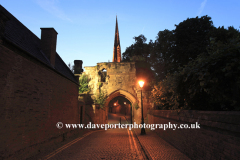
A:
(115, 119)
(116, 144)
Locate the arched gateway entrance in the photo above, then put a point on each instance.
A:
(122, 93)
(125, 107)
(117, 79)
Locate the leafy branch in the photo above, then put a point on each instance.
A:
(101, 99)
(83, 82)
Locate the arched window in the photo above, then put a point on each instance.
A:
(103, 74)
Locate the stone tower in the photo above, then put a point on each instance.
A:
(116, 48)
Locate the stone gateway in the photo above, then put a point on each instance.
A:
(118, 79)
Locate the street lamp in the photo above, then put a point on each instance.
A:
(141, 83)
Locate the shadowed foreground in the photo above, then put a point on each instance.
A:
(116, 144)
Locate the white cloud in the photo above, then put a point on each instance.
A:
(203, 4)
(51, 7)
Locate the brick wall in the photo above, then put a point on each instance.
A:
(95, 115)
(33, 98)
(218, 137)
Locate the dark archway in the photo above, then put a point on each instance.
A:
(119, 110)
(120, 102)
(120, 105)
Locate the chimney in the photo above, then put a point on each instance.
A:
(78, 66)
(48, 43)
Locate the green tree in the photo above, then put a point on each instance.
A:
(164, 93)
(191, 39)
(83, 84)
(209, 82)
(100, 99)
(223, 35)
(161, 54)
(139, 52)
(172, 49)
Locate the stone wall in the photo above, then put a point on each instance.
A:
(120, 80)
(119, 76)
(34, 98)
(217, 138)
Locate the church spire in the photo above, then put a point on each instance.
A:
(116, 48)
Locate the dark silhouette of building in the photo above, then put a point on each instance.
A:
(38, 90)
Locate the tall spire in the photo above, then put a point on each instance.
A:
(116, 48)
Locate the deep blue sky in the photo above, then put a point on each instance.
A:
(86, 27)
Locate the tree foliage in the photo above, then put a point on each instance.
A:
(139, 52)
(191, 39)
(209, 82)
(100, 99)
(172, 49)
(161, 56)
(164, 93)
(83, 84)
(197, 65)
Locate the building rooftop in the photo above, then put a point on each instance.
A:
(22, 37)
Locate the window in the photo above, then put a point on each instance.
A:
(103, 74)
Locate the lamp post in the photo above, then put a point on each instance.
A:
(141, 83)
